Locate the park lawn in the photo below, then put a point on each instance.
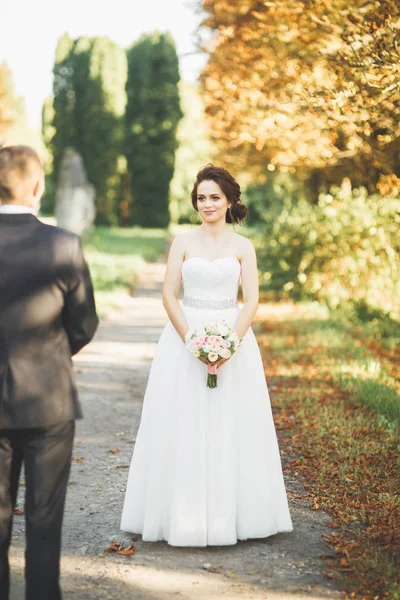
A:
(115, 255)
(336, 400)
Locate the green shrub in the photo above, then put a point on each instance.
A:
(344, 249)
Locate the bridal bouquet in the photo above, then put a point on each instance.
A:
(213, 341)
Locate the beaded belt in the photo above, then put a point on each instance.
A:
(210, 304)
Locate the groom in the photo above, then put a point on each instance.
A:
(47, 314)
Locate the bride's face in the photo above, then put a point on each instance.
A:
(212, 203)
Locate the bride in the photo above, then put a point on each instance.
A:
(206, 467)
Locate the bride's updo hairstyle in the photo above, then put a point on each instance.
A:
(228, 185)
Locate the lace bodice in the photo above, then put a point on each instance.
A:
(216, 280)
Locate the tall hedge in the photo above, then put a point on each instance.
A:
(89, 104)
(152, 116)
(99, 81)
(63, 103)
(48, 131)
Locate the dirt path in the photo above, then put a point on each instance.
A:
(112, 374)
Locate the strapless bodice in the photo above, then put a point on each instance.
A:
(216, 280)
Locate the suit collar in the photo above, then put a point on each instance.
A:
(11, 209)
(17, 218)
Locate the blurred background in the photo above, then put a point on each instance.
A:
(300, 101)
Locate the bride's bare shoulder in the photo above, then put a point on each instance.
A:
(243, 244)
(184, 238)
(182, 241)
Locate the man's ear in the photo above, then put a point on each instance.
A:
(37, 193)
(37, 188)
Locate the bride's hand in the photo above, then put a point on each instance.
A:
(218, 363)
(221, 361)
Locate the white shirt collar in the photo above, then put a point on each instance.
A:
(13, 209)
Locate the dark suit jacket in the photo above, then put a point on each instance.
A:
(47, 314)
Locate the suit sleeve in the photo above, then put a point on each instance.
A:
(79, 314)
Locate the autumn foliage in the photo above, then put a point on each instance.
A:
(306, 84)
(12, 111)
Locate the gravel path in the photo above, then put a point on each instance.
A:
(112, 374)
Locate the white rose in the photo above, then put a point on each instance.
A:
(225, 353)
(207, 348)
(212, 356)
(223, 330)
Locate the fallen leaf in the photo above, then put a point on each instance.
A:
(117, 548)
(18, 512)
(213, 570)
(129, 551)
(329, 575)
(114, 451)
(230, 574)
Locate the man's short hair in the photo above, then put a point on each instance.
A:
(17, 165)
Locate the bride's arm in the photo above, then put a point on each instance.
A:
(172, 284)
(249, 289)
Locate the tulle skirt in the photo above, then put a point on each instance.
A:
(206, 467)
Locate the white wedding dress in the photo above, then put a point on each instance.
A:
(206, 467)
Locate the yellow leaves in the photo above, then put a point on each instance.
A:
(332, 63)
(258, 15)
(388, 185)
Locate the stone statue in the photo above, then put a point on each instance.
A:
(75, 206)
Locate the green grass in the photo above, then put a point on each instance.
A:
(336, 401)
(115, 255)
(339, 351)
(145, 243)
(377, 394)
